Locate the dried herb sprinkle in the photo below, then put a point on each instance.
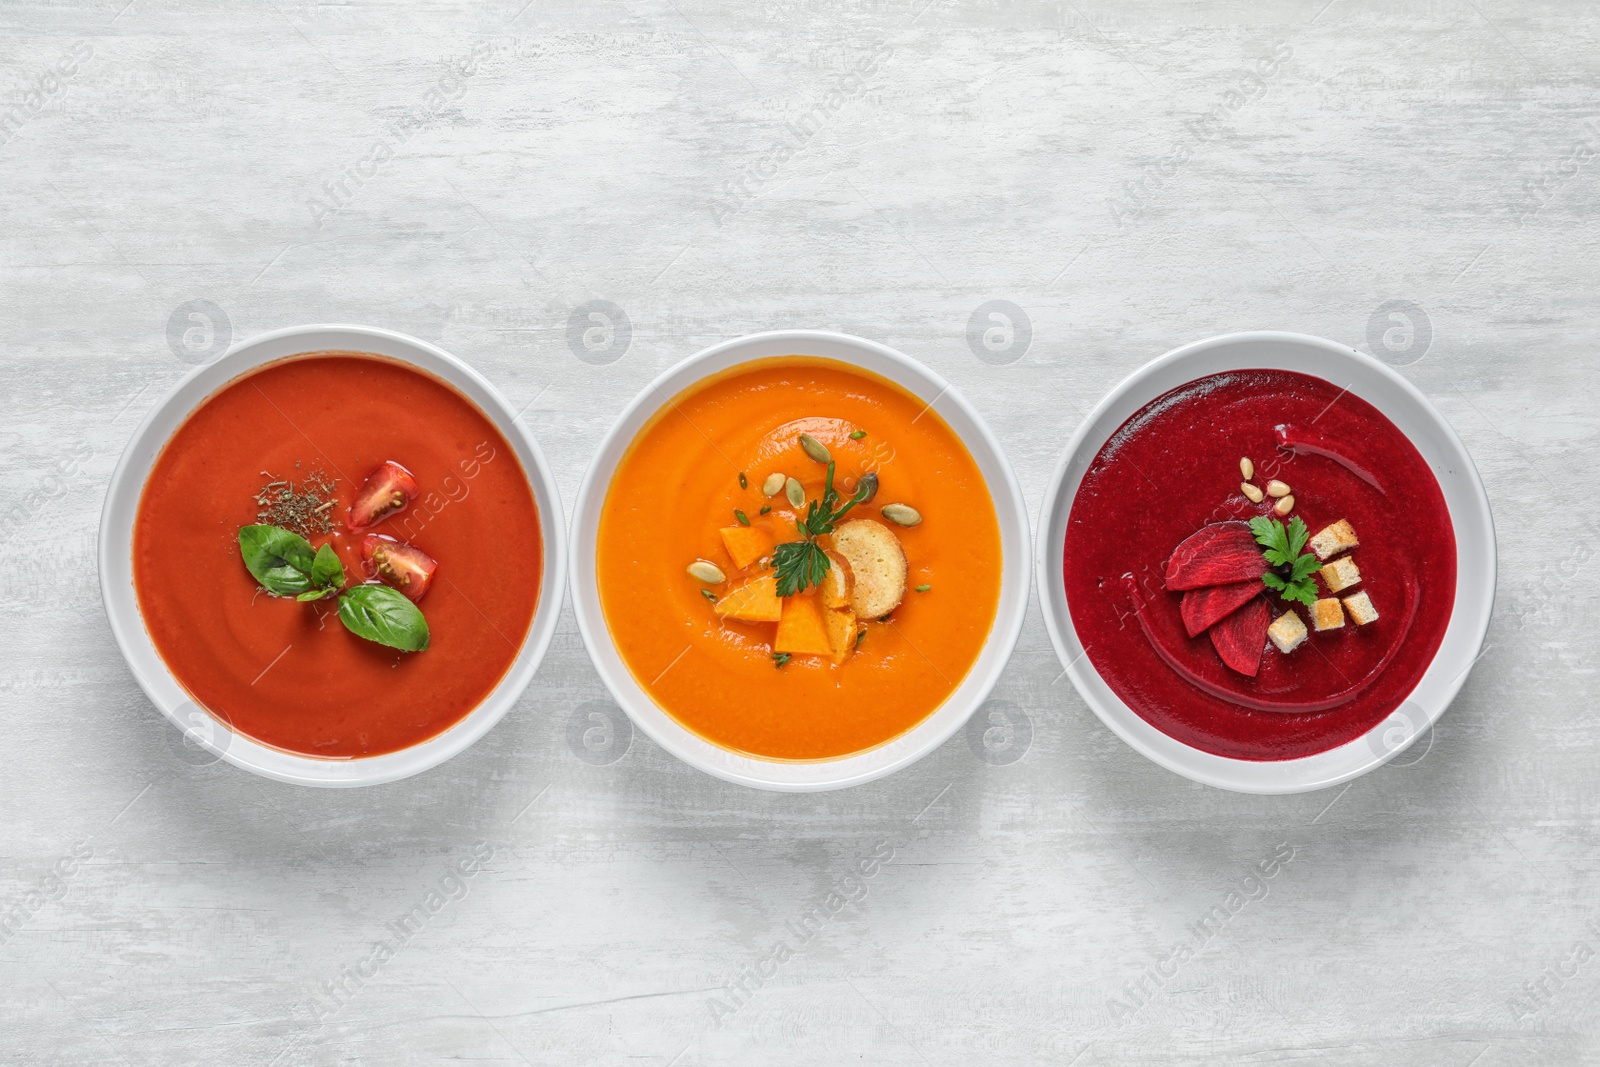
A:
(306, 506)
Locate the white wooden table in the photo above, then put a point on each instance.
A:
(1131, 176)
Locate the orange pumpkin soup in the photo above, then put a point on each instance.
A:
(721, 505)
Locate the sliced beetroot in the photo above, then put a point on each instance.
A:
(1217, 554)
(1204, 608)
(1241, 638)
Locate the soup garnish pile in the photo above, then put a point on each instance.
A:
(819, 590)
(1227, 571)
(383, 609)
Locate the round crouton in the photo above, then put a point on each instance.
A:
(877, 565)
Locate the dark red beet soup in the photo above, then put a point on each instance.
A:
(1173, 469)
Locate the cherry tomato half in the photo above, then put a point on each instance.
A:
(388, 490)
(406, 567)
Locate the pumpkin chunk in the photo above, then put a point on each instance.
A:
(754, 601)
(841, 633)
(746, 544)
(801, 629)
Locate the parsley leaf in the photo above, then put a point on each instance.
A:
(799, 564)
(1304, 567)
(1298, 535)
(1281, 546)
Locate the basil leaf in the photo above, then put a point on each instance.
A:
(326, 570)
(279, 559)
(381, 614)
(316, 594)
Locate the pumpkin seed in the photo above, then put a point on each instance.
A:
(868, 486)
(795, 492)
(773, 485)
(744, 483)
(815, 449)
(901, 514)
(744, 520)
(858, 435)
(923, 588)
(704, 571)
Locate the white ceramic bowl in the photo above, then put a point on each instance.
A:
(927, 735)
(206, 738)
(1446, 456)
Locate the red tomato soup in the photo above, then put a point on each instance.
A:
(289, 674)
(1174, 470)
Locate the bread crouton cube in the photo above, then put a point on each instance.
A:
(801, 629)
(754, 601)
(841, 627)
(1360, 607)
(1327, 615)
(1333, 539)
(746, 544)
(1342, 573)
(1287, 631)
(877, 565)
(837, 585)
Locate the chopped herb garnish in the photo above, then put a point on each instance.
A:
(803, 563)
(780, 658)
(304, 509)
(744, 520)
(1294, 575)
